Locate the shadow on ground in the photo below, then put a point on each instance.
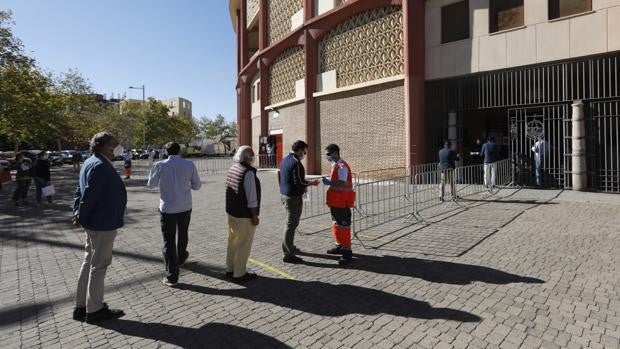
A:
(326, 299)
(212, 335)
(429, 270)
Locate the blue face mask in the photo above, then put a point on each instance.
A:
(329, 158)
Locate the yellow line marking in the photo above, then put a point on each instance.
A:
(373, 238)
(272, 269)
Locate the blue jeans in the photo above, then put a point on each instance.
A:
(39, 183)
(539, 171)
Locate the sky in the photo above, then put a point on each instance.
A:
(176, 48)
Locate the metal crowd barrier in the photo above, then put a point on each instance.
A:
(218, 165)
(265, 161)
(382, 201)
(367, 185)
(387, 199)
(314, 202)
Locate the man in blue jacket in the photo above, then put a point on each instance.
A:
(100, 201)
(293, 185)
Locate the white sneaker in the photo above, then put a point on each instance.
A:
(168, 283)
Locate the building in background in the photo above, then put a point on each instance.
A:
(388, 80)
(125, 104)
(179, 107)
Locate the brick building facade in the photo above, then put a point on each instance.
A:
(388, 80)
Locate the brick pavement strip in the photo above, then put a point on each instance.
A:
(525, 269)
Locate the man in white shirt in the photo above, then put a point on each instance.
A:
(540, 152)
(176, 179)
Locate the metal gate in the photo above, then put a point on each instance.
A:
(526, 125)
(603, 145)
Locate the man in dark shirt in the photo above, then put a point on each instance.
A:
(293, 185)
(447, 164)
(489, 155)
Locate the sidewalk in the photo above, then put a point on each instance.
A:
(525, 269)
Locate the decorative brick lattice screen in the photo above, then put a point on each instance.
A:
(366, 47)
(285, 70)
(279, 13)
(252, 10)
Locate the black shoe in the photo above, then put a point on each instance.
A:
(292, 259)
(335, 250)
(183, 260)
(295, 249)
(229, 274)
(79, 314)
(246, 277)
(347, 257)
(104, 314)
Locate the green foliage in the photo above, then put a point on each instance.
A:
(218, 127)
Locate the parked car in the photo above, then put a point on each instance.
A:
(67, 156)
(55, 158)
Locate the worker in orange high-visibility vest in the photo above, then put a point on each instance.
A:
(340, 199)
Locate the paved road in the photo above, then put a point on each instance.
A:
(524, 269)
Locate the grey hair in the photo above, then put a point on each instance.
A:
(100, 140)
(242, 154)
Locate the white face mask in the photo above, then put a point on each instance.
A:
(302, 157)
(118, 151)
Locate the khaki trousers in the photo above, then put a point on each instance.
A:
(97, 258)
(240, 236)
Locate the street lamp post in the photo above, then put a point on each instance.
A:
(143, 115)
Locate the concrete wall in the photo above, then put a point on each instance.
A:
(255, 133)
(292, 121)
(367, 124)
(539, 40)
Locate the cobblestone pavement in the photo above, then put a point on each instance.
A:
(524, 269)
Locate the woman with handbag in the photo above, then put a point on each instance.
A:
(42, 177)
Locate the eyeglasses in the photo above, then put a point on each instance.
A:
(329, 154)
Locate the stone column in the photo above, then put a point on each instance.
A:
(579, 167)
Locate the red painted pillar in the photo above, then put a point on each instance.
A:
(239, 114)
(311, 60)
(414, 41)
(308, 10)
(242, 30)
(245, 136)
(245, 122)
(263, 42)
(264, 99)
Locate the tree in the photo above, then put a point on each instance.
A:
(25, 102)
(159, 126)
(218, 127)
(81, 114)
(27, 108)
